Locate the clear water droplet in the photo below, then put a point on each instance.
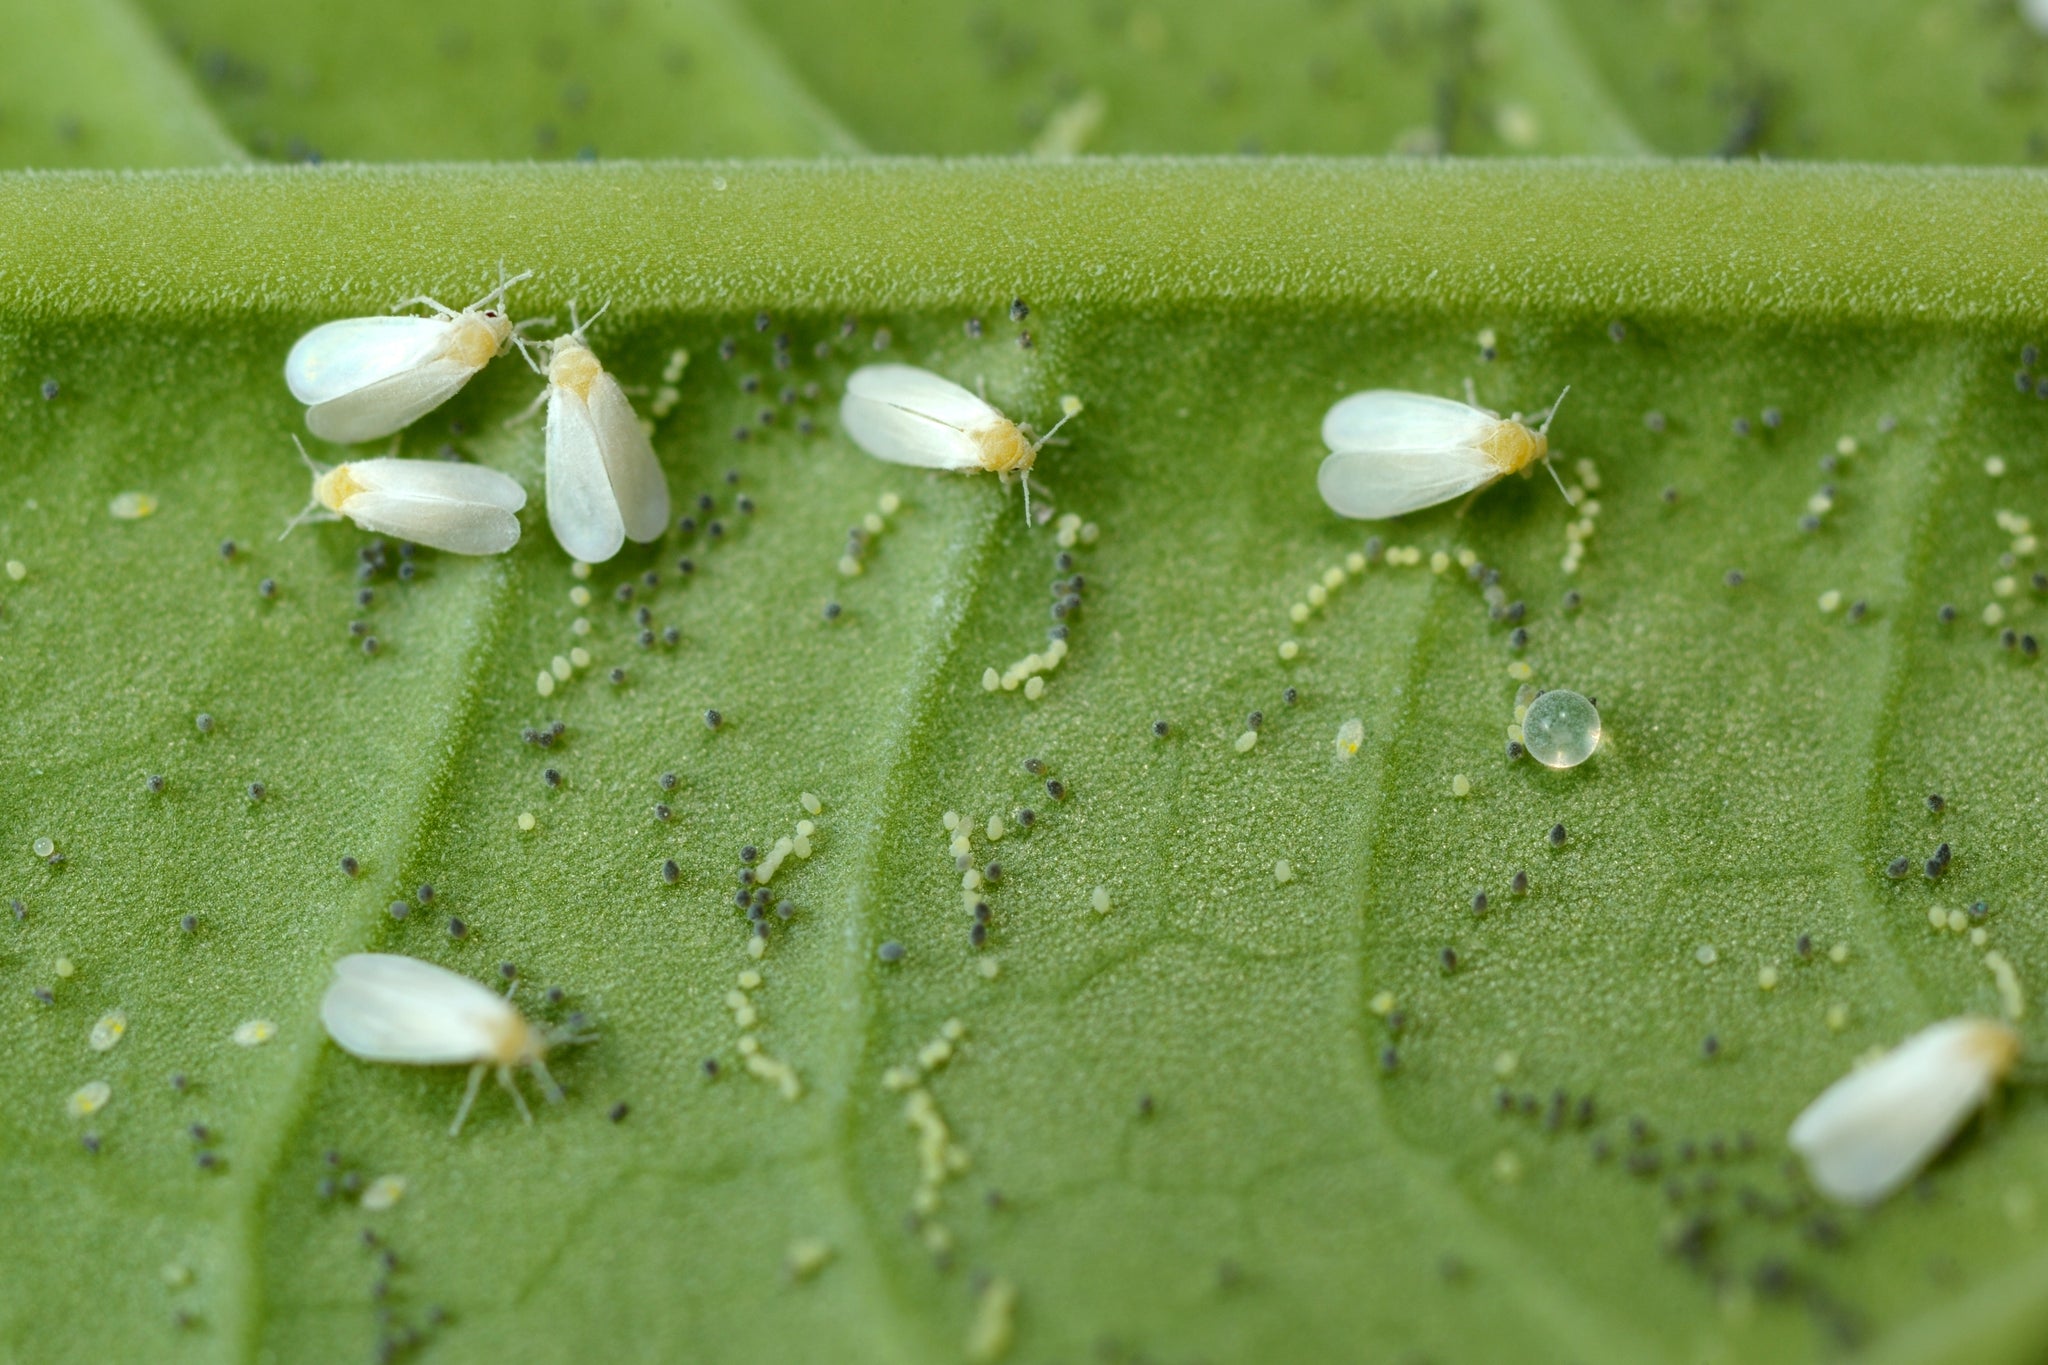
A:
(1561, 730)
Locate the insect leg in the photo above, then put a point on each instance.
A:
(476, 1078)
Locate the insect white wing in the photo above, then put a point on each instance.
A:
(1374, 484)
(447, 480)
(386, 1008)
(1390, 419)
(582, 512)
(389, 404)
(911, 416)
(367, 377)
(1394, 452)
(604, 482)
(461, 508)
(1872, 1131)
(638, 484)
(337, 358)
(921, 391)
(458, 528)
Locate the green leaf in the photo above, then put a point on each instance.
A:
(1180, 1133)
(391, 80)
(87, 84)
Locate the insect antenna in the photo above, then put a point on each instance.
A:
(1559, 482)
(1544, 430)
(526, 350)
(313, 503)
(498, 294)
(576, 328)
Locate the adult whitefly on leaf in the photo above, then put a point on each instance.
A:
(464, 509)
(910, 416)
(604, 484)
(363, 378)
(1873, 1130)
(383, 1007)
(1392, 452)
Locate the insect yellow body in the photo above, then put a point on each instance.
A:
(1512, 447)
(1003, 448)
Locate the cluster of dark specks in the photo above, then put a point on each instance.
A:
(783, 355)
(1715, 1187)
(2023, 379)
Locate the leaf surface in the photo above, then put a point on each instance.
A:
(1183, 1132)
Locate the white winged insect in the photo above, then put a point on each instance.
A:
(1872, 1131)
(1393, 452)
(362, 378)
(383, 1007)
(911, 416)
(605, 485)
(464, 509)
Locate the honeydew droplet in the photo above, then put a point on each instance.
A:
(580, 569)
(580, 595)
(526, 820)
(44, 848)
(1070, 405)
(1289, 649)
(1561, 729)
(1706, 955)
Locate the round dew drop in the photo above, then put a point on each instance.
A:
(1561, 730)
